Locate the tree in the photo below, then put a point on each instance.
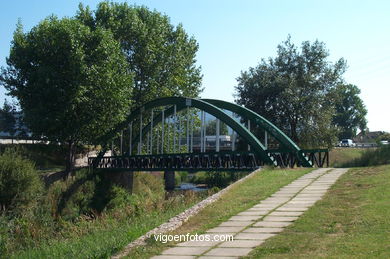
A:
(8, 119)
(295, 91)
(211, 128)
(161, 55)
(72, 83)
(350, 111)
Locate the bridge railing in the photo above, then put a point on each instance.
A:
(208, 161)
(318, 157)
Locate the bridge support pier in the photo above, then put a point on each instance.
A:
(169, 179)
(123, 179)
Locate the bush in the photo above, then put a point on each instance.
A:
(20, 185)
(379, 156)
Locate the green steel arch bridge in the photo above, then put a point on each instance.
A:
(169, 134)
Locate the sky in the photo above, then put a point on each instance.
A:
(236, 35)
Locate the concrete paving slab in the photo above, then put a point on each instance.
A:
(245, 218)
(263, 207)
(285, 193)
(302, 195)
(282, 195)
(199, 243)
(218, 257)
(292, 209)
(185, 251)
(173, 257)
(316, 189)
(262, 230)
(253, 236)
(225, 251)
(225, 229)
(253, 213)
(241, 243)
(231, 223)
(211, 236)
(301, 203)
(313, 193)
(274, 200)
(291, 189)
(286, 213)
(272, 224)
(305, 199)
(280, 219)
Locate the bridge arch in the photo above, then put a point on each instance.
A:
(265, 125)
(182, 102)
(215, 108)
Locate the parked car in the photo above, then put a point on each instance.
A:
(384, 142)
(347, 143)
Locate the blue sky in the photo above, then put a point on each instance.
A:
(235, 35)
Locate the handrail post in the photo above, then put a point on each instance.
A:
(217, 136)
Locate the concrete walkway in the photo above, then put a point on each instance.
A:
(252, 227)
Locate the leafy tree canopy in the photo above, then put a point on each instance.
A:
(211, 128)
(350, 111)
(72, 83)
(295, 91)
(7, 118)
(161, 55)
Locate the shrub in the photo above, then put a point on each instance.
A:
(379, 156)
(20, 185)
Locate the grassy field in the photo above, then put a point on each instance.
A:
(351, 221)
(340, 157)
(239, 198)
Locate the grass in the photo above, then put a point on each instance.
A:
(80, 229)
(340, 157)
(239, 198)
(102, 239)
(351, 221)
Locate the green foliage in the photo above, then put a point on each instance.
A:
(372, 157)
(72, 83)
(343, 157)
(161, 55)
(217, 179)
(350, 111)
(44, 156)
(7, 118)
(222, 179)
(211, 128)
(88, 209)
(294, 91)
(384, 136)
(20, 185)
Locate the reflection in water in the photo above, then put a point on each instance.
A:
(192, 187)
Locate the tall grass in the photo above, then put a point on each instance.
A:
(88, 216)
(371, 157)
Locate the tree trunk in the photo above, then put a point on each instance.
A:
(294, 133)
(70, 158)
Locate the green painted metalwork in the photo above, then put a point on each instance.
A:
(214, 107)
(182, 102)
(264, 124)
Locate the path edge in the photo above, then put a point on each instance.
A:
(178, 220)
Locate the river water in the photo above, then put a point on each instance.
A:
(191, 187)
